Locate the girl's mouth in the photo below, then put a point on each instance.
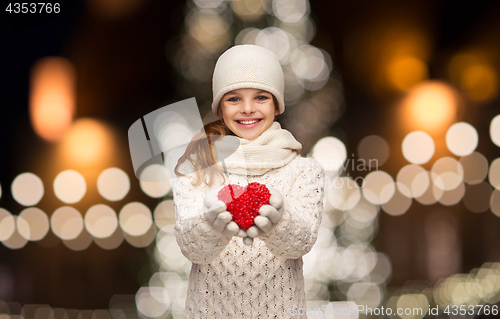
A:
(249, 124)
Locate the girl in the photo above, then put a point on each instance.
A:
(255, 273)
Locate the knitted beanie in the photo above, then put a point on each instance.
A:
(248, 66)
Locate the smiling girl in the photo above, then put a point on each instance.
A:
(257, 272)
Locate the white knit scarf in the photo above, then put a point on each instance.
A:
(274, 148)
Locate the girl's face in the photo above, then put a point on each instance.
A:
(248, 112)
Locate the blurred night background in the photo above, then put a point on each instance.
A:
(398, 100)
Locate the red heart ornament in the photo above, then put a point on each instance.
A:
(244, 203)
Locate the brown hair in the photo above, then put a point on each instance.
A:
(204, 157)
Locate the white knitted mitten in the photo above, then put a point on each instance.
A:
(269, 216)
(216, 214)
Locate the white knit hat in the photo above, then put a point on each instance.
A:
(248, 66)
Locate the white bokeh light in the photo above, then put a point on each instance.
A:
(418, 147)
(494, 173)
(461, 139)
(113, 184)
(330, 152)
(343, 193)
(7, 224)
(378, 187)
(101, 221)
(33, 224)
(66, 223)
(27, 189)
(412, 180)
(70, 186)
(154, 189)
(135, 219)
(495, 130)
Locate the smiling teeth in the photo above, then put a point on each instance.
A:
(248, 122)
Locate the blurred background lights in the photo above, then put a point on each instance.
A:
(81, 242)
(477, 197)
(143, 240)
(495, 130)
(414, 306)
(152, 301)
(453, 196)
(418, 147)
(101, 221)
(248, 9)
(290, 11)
(367, 294)
(448, 173)
(154, 189)
(406, 71)
(432, 194)
(66, 223)
(111, 242)
(7, 224)
(378, 187)
(15, 240)
(374, 150)
(135, 219)
(475, 168)
(494, 203)
(33, 224)
(27, 189)
(343, 193)
(480, 82)
(494, 174)
(331, 153)
(87, 142)
(208, 3)
(398, 204)
(70, 186)
(412, 180)
(430, 106)
(52, 97)
(461, 139)
(113, 184)
(164, 214)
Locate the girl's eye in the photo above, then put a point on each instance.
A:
(232, 99)
(263, 97)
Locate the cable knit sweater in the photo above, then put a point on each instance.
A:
(231, 280)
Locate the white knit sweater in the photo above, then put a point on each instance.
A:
(231, 280)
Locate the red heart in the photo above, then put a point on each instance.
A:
(244, 203)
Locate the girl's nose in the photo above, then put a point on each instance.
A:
(248, 107)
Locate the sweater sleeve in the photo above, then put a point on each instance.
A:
(198, 241)
(297, 231)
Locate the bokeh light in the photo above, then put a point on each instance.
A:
(477, 197)
(7, 224)
(418, 147)
(290, 11)
(152, 301)
(15, 240)
(330, 152)
(248, 9)
(101, 221)
(343, 193)
(113, 184)
(32, 224)
(494, 173)
(164, 214)
(367, 294)
(154, 189)
(374, 150)
(378, 187)
(81, 242)
(52, 97)
(142, 240)
(27, 189)
(135, 219)
(87, 142)
(412, 180)
(432, 194)
(453, 196)
(66, 223)
(461, 139)
(448, 173)
(70, 186)
(404, 72)
(430, 106)
(480, 82)
(475, 168)
(398, 204)
(494, 203)
(111, 242)
(495, 130)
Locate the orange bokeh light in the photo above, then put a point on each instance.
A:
(52, 97)
(430, 106)
(406, 71)
(88, 142)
